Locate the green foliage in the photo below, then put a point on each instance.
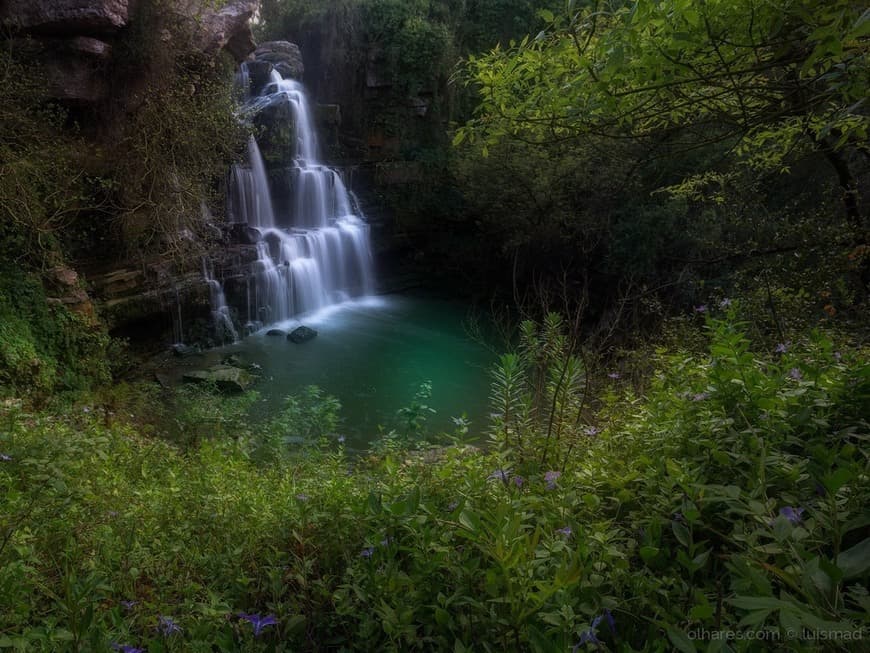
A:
(178, 137)
(732, 497)
(537, 398)
(45, 348)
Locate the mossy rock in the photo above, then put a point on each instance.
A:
(224, 377)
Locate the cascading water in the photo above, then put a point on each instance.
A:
(316, 252)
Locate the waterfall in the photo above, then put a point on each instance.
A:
(221, 318)
(315, 252)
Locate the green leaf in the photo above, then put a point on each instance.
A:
(838, 479)
(681, 533)
(681, 640)
(855, 561)
(648, 553)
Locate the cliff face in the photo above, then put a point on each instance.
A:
(84, 55)
(73, 40)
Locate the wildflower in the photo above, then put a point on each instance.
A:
(453, 505)
(126, 648)
(725, 303)
(502, 475)
(86, 409)
(589, 636)
(701, 396)
(678, 516)
(551, 477)
(794, 515)
(781, 348)
(586, 637)
(614, 375)
(519, 480)
(302, 497)
(367, 552)
(112, 514)
(5, 457)
(795, 373)
(566, 531)
(166, 626)
(128, 605)
(259, 622)
(837, 356)
(592, 431)
(701, 309)
(341, 439)
(387, 541)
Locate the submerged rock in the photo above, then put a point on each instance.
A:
(301, 334)
(225, 377)
(182, 350)
(276, 332)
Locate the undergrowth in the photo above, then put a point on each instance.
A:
(730, 498)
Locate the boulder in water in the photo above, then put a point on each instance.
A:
(276, 332)
(301, 334)
(225, 377)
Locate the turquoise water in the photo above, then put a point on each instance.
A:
(372, 355)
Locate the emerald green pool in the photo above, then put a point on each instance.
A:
(373, 355)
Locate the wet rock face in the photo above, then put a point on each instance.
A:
(64, 17)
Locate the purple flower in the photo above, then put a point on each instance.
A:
(795, 373)
(614, 375)
(701, 396)
(367, 552)
(387, 541)
(519, 480)
(586, 637)
(166, 626)
(128, 605)
(302, 497)
(502, 475)
(551, 477)
(794, 515)
(453, 505)
(781, 348)
(725, 303)
(589, 635)
(126, 648)
(701, 309)
(566, 531)
(592, 431)
(837, 356)
(259, 622)
(5, 457)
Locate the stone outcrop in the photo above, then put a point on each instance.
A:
(65, 17)
(74, 68)
(72, 40)
(284, 56)
(228, 28)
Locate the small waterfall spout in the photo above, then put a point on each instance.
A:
(314, 252)
(221, 318)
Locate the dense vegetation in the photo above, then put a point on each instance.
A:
(731, 496)
(668, 198)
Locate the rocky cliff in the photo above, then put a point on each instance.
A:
(83, 54)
